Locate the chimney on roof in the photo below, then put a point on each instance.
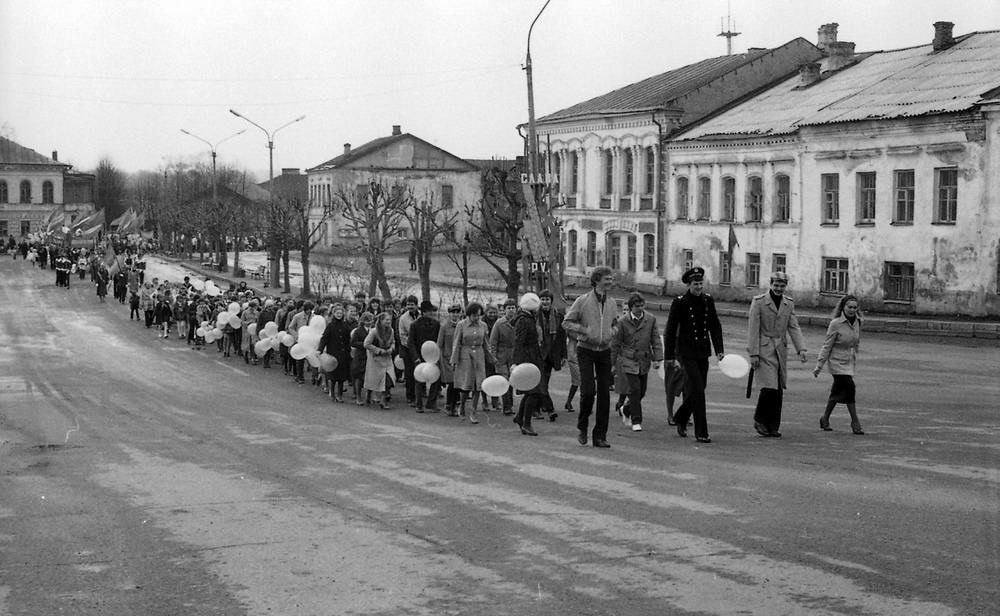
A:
(826, 34)
(839, 55)
(55, 155)
(808, 74)
(942, 35)
(347, 148)
(396, 129)
(289, 171)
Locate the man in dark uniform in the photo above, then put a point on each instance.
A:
(692, 331)
(63, 267)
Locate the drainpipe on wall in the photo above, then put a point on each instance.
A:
(658, 196)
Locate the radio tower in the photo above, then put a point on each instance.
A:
(727, 30)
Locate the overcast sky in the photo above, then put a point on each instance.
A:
(120, 78)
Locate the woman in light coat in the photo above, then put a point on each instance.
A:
(379, 343)
(839, 353)
(468, 356)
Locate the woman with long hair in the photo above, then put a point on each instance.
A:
(839, 353)
(359, 357)
(379, 343)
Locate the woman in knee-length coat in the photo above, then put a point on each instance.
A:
(446, 338)
(336, 341)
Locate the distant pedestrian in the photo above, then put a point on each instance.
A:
(839, 354)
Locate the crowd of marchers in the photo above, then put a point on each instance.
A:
(366, 349)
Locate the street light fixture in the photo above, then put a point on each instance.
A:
(270, 175)
(213, 147)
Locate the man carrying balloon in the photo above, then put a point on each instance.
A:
(526, 375)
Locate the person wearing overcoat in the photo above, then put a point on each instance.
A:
(336, 341)
(771, 322)
(527, 351)
(839, 354)
(424, 329)
(635, 347)
(502, 349)
(446, 338)
(693, 330)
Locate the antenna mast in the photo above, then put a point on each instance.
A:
(728, 30)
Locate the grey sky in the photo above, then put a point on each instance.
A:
(93, 78)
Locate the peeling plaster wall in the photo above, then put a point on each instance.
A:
(955, 265)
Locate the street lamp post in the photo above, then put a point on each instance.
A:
(215, 184)
(551, 276)
(273, 258)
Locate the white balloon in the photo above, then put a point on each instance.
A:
(495, 386)
(525, 377)
(734, 366)
(430, 351)
(298, 351)
(309, 338)
(234, 308)
(318, 322)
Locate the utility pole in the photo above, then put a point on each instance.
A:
(541, 229)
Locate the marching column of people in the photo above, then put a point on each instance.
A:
(372, 345)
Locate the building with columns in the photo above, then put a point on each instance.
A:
(32, 184)
(608, 156)
(875, 174)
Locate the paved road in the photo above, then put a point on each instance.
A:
(140, 477)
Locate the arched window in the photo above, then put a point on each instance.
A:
(704, 198)
(48, 192)
(613, 258)
(25, 191)
(571, 248)
(782, 208)
(728, 199)
(609, 172)
(591, 248)
(3, 191)
(682, 198)
(648, 252)
(755, 198)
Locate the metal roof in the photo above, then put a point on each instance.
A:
(654, 92)
(12, 153)
(881, 85)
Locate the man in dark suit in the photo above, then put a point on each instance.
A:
(692, 331)
(424, 328)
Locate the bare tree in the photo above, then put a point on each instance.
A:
(110, 189)
(497, 220)
(376, 216)
(308, 222)
(429, 220)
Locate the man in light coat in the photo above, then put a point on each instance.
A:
(771, 322)
(502, 349)
(636, 345)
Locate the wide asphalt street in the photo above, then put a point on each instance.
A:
(140, 477)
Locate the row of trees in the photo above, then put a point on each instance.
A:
(177, 201)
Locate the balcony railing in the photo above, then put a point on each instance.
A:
(605, 203)
(625, 204)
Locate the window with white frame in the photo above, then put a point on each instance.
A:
(725, 268)
(629, 172)
(866, 198)
(755, 198)
(682, 198)
(779, 263)
(905, 192)
(835, 275)
(591, 248)
(830, 198)
(900, 280)
(648, 252)
(728, 199)
(946, 195)
(650, 171)
(571, 248)
(704, 198)
(631, 250)
(688, 259)
(613, 258)
(753, 269)
(782, 198)
(48, 192)
(609, 172)
(447, 196)
(25, 191)
(574, 172)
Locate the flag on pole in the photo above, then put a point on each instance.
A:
(54, 220)
(732, 240)
(111, 257)
(117, 223)
(90, 226)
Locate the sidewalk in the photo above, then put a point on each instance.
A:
(494, 289)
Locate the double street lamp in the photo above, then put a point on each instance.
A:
(270, 177)
(213, 147)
